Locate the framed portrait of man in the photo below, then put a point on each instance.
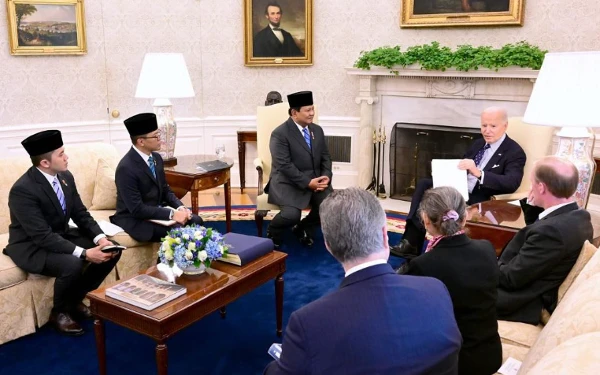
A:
(434, 13)
(278, 32)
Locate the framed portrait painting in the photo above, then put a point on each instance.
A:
(433, 13)
(278, 33)
(46, 27)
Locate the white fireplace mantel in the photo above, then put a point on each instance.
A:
(449, 97)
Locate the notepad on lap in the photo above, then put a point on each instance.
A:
(166, 223)
(244, 249)
(445, 172)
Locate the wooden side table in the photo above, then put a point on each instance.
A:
(244, 136)
(185, 177)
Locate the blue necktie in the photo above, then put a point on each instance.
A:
(151, 165)
(306, 137)
(480, 153)
(59, 194)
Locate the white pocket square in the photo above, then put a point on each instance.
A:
(495, 165)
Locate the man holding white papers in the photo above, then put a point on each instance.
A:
(494, 165)
(142, 190)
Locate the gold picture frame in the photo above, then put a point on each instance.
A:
(46, 27)
(443, 13)
(290, 44)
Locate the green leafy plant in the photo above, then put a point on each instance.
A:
(465, 57)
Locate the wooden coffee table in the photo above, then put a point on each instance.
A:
(185, 177)
(496, 221)
(220, 285)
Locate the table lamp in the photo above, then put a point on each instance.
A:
(565, 95)
(164, 76)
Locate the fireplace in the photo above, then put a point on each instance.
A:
(412, 148)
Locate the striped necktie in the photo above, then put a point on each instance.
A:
(59, 194)
(306, 137)
(152, 166)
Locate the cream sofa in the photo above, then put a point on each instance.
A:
(568, 342)
(26, 300)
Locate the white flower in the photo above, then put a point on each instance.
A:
(169, 254)
(189, 255)
(165, 245)
(178, 240)
(186, 236)
(197, 235)
(202, 255)
(192, 246)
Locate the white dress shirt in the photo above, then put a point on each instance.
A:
(364, 265)
(549, 210)
(277, 33)
(487, 155)
(78, 250)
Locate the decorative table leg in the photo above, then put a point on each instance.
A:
(161, 358)
(100, 345)
(279, 303)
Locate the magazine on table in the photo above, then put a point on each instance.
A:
(211, 165)
(145, 291)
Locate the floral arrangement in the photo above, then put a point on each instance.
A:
(191, 246)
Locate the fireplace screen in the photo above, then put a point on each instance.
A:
(412, 148)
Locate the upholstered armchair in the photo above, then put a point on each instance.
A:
(536, 141)
(267, 119)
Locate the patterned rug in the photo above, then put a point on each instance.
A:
(395, 221)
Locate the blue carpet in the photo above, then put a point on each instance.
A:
(235, 345)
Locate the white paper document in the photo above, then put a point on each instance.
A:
(109, 228)
(510, 367)
(445, 172)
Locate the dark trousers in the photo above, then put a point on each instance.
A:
(160, 231)
(75, 277)
(290, 216)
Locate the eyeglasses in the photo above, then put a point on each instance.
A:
(157, 137)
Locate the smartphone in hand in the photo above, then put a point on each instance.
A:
(112, 248)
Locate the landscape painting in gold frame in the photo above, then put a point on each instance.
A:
(46, 27)
(443, 13)
(278, 33)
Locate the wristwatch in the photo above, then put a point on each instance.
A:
(82, 255)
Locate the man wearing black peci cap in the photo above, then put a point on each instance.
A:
(41, 202)
(142, 190)
(301, 170)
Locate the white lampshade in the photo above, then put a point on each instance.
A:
(566, 91)
(164, 75)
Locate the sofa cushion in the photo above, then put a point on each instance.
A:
(591, 268)
(518, 334)
(577, 314)
(578, 355)
(105, 190)
(517, 352)
(10, 274)
(121, 237)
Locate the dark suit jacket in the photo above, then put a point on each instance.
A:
(537, 260)
(376, 323)
(38, 223)
(503, 173)
(140, 195)
(469, 270)
(266, 44)
(294, 164)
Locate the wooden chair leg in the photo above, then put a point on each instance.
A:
(259, 215)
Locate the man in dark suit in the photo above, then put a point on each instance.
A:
(273, 41)
(376, 322)
(301, 170)
(540, 256)
(41, 202)
(494, 166)
(142, 190)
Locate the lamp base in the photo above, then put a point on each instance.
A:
(167, 128)
(170, 162)
(575, 150)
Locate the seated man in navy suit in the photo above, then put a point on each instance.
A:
(142, 190)
(377, 322)
(494, 166)
(537, 260)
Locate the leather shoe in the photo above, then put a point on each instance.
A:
(65, 324)
(404, 250)
(81, 311)
(303, 236)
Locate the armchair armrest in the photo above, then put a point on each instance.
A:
(259, 167)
